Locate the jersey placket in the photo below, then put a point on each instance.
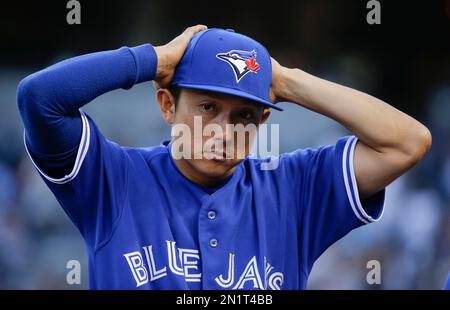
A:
(215, 229)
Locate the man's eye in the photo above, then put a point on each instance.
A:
(208, 107)
(246, 115)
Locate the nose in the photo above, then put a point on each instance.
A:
(224, 120)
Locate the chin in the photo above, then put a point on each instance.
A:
(215, 168)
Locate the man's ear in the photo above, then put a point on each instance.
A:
(265, 116)
(166, 104)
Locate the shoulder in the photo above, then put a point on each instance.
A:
(148, 154)
(302, 159)
(281, 163)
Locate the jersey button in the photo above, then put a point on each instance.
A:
(211, 215)
(213, 243)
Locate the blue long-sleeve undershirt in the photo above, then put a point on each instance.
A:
(49, 100)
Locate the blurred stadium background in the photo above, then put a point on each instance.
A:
(404, 61)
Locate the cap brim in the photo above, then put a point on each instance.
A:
(231, 91)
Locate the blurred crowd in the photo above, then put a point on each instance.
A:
(412, 240)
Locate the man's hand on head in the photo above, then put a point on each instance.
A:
(277, 80)
(169, 55)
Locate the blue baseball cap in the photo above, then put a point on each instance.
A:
(224, 61)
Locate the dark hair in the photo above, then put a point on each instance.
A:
(175, 90)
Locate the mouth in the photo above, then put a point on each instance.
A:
(216, 156)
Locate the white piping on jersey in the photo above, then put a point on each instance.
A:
(81, 154)
(355, 187)
(347, 186)
(351, 141)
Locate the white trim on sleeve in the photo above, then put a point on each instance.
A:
(351, 185)
(81, 154)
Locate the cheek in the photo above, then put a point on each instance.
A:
(184, 120)
(244, 141)
(181, 115)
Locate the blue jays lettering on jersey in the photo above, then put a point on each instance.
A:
(148, 227)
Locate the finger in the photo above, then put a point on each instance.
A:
(272, 96)
(189, 32)
(156, 85)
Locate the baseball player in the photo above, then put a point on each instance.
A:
(154, 220)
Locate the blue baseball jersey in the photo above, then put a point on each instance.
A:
(146, 226)
(447, 283)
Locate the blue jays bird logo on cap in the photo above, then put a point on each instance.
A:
(242, 62)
